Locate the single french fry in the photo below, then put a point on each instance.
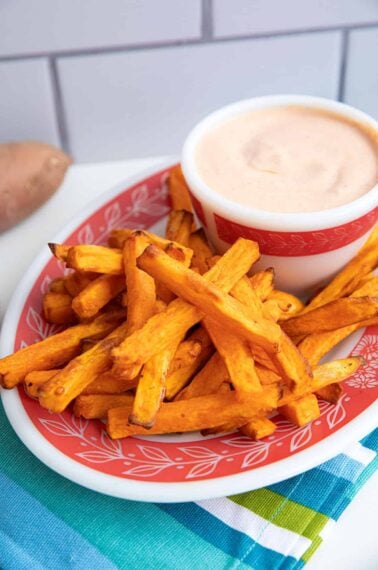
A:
(76, 281)
(180, 375)
(262, 282)
(151, 388)
(324, 375)
(107, 383)
(258, 428)
(210, 299)
(141, 292)
(207, 380)
(119, 236)
(179, 226)
(315, 346)
(35, 379)
(163, 329)
(195, 414)
(334, 315)
(97, 294)
(186, 353)
(57, 285)
(347, 280)
(273, 309)
(96, 406)
(175, 252)
(237, 357)
(95, 258)
(59, 250)
(57, 308)
(367, 288)
(302, 411)
(228, 427)
(178, 190)
(288, 304)
(245, 293)
(53, 351)
(330, 393)
(201, 251)
(58, 392)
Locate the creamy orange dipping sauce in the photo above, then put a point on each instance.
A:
(289, 159)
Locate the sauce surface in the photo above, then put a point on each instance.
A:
(289, 159)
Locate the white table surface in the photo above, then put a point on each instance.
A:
(353, 544)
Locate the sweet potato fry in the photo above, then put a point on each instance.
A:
(59, 250)
(141, 292)
(224, 428)
(350, 276)
(57, 308)
(53, 351)
(95, 258)
(162, 329)
(330, 393)
(289, 304)
(258, 428)
(35, 379)
(201, 251)
(334, 315)
(58, 392)
(207, 381)
(302, 411)
(182, 369)
(151, 388)
(177, 253)
(210, 299)
(237, 357)
(324, 375)
(186, 353)
(57, 285)
(197, 413)
(179, 226)
(107, 383)
(315, 346)
(92, 406)
(178, 190)
(119, 236)
(76, 281)
(262, 282)
(97, 294)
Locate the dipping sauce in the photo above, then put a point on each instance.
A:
(289, 159)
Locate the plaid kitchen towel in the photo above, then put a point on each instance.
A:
(47, 522)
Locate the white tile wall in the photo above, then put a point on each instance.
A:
(361, 85)
(27, 109)
(49, 25)
(240, 17)
(132, 76)
(144, 103)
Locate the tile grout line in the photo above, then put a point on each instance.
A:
(60, 114)
(124, 48)
(343, 64)
(207, 20)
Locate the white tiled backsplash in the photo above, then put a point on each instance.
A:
(128, 78)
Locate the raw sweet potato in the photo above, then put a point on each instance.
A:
(30, 172)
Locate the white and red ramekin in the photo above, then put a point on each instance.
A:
(305, 248)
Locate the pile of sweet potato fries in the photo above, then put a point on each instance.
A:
(163, 335)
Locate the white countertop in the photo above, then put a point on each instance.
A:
(353, 543)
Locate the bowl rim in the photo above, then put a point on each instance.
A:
(264, 219)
